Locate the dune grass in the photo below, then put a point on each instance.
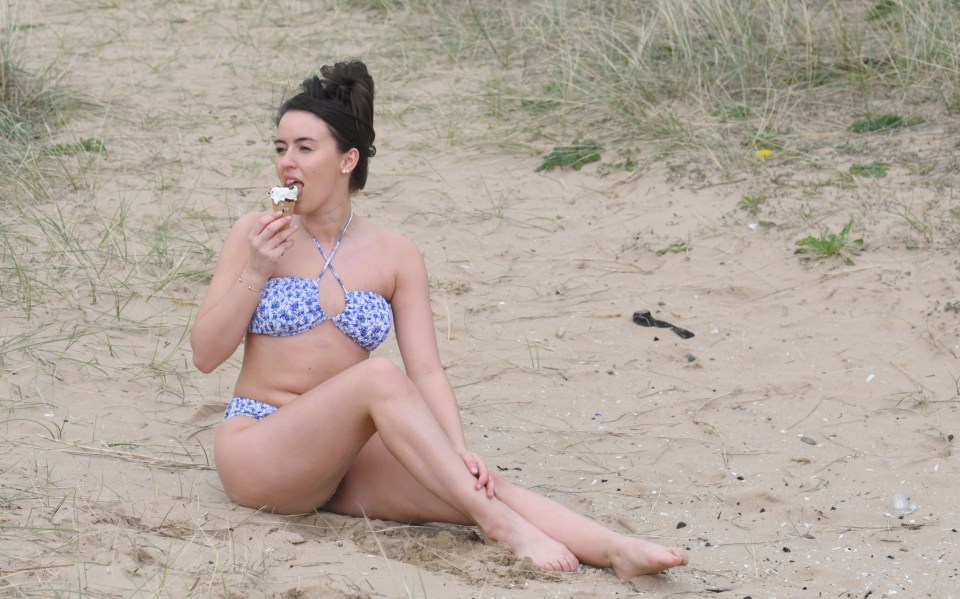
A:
(71, 269)
(710, 90)
(28, 104)
(717, 75)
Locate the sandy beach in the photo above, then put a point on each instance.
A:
(772, 444)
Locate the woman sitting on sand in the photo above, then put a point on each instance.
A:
(317, 423)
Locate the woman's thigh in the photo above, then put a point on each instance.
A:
(292, 460)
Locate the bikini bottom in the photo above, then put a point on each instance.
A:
(244, 406)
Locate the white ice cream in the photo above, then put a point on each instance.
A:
(283, 194)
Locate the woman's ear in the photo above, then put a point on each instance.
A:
(349, 160)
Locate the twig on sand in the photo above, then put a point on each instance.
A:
(814, 409)
(135, 457)
(7, 573)
(697, 420)
(849, 271)
(446, 308)
(383, 553)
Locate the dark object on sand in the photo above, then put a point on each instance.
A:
(645, 319)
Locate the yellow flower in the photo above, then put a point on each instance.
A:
(763, 153)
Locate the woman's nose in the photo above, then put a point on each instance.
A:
(284, 159)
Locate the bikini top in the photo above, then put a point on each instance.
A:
(291, 305)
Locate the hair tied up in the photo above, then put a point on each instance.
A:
(342, 97)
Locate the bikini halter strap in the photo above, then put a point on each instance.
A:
(329, 259)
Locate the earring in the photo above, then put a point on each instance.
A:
(344, 171)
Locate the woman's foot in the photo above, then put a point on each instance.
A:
(526, 540)
(635, 557)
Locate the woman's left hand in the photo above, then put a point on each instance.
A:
(479, 470)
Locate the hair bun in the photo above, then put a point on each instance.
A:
(347, 75)
(350, 83)
(345, 79)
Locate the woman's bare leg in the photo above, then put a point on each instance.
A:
(377, 485)
(590, 541)
(293, 460)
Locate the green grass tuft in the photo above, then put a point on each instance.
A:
(91, 145)
(877, 122)
(883, 9)
(874, 169)
(574, 156)
(751, 204)
(677, 247)
(829, 245)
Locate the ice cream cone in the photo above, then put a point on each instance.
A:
(284, 199)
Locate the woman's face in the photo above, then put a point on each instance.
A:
(308, 158)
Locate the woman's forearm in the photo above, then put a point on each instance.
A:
(218, 332)
(439, 396)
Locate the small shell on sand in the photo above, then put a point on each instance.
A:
(899, 506)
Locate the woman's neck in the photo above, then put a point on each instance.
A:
(329, 225)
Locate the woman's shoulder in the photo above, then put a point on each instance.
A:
(397, 256)
(236, 240)
(389, 240)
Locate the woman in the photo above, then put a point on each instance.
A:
(316, 422)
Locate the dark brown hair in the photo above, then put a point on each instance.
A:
(342, 97)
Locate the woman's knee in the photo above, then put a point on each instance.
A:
(500, 483)
(386, 379)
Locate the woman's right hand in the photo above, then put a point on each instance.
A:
(268, 243)
(248, 258)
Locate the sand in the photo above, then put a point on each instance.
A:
(769, 444)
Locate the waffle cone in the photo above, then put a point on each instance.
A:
(287, 208)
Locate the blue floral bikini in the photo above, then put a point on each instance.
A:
(291, 305)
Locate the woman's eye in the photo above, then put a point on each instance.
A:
(279, 150)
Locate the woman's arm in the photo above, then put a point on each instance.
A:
(246, 261)
(417, 339)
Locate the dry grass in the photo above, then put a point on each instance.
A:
(712, 91)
